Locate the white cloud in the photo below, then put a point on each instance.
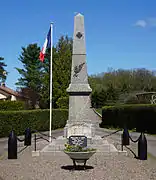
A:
(141, 23)
(149, 22)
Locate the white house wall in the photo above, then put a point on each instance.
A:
(2, 96)
(13, 98)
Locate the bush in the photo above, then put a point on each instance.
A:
(139, 116)
(131, 100)
(12, 105)
(35, 119)
(63, 102)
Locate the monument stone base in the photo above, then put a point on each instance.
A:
(79, 128)
(100, 144)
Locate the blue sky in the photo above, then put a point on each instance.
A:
(119, 34)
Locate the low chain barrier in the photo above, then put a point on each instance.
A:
(134, 141)
(35, 131)
(125, 141)
(13, 139)
(121, 143)
(111, 133)
(12, 143)
(142, 144)
(20, 140)
(22, 149)
(41, 137)
(135, 156)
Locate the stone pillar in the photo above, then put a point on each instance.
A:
(79, 89)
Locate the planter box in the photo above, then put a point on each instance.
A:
(80, 157)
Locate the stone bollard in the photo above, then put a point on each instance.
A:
(125, 137)
(142, 147)
(27, 140)
(12, 146)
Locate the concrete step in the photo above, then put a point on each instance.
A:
(101, 145)
(100, 148)
(99, 141)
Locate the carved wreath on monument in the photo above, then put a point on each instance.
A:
(77, 69)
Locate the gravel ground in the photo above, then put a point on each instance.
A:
(59, 167)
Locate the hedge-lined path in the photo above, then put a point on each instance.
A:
(50, 167)
(115, 138)
(151, 140)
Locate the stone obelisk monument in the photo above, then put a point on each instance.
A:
(79, 90)
(81, 121)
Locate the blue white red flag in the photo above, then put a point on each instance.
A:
(47, 44)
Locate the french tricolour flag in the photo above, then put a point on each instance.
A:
(47, 44)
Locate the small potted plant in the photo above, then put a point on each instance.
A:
(78, 153)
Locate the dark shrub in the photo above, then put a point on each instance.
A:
(12, 105)
(139, 116)
(35, 119)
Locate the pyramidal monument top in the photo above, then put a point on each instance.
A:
(79, 76)
(79, 14)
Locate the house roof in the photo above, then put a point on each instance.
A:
(10, 91)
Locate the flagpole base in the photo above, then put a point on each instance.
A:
(50, 139)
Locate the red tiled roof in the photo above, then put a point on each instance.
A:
(10, 91)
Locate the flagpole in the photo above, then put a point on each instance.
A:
(51, 81)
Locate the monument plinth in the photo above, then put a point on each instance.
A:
(79, 90)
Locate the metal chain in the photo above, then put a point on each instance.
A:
(42, 138)
(135, 141)
(20, 140)
(110, 133)
(22, 149)
(135, 156)
(43, 134)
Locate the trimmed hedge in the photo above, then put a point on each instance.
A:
(139, 116)
(35, 119)
(63, 102)
(12, 105)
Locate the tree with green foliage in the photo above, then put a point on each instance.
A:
(62, 59)
(121, 85)
(62, 67)
(3, 72)
(31, 73)
(45, 91)
(98, 98)
(36, 75)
